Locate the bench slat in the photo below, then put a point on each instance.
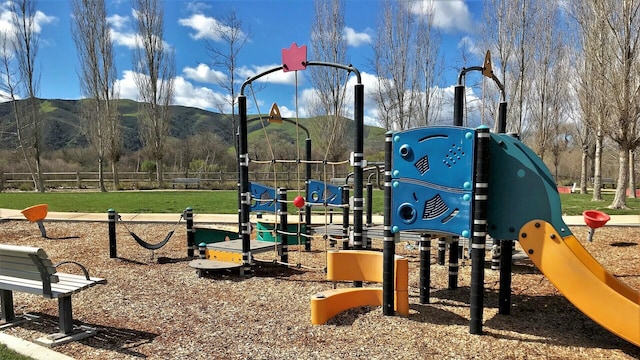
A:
(65, 287)
(26, 274)
(25, 264)
(22, 251)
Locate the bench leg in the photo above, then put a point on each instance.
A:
(66, 315)
(6, 303)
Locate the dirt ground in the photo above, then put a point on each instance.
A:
(154, 305)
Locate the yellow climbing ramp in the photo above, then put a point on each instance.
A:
(358, 265)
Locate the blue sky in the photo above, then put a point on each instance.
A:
(273, 25)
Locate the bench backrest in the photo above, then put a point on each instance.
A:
(29, 263)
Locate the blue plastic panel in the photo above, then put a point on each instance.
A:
(317, 195)
(432, 172)
(263, 198)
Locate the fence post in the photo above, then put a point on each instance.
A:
(112, 233)
(78, 180)
(1, 181)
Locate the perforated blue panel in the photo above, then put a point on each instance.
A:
(263, 198)
(317, 195)
(432, 180)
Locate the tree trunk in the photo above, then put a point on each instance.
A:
(116, 177)
(583, 170)
(620, 198)
(597, 169)
(101, 174)
(39, 180)
(159, 173)
(632, 174)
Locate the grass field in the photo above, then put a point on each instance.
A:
(223, 202)
(8, 354)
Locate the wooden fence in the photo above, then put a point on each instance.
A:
(207, 180)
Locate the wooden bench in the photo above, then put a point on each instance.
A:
(29, 269)
(186, 182)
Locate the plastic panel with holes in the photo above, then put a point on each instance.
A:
(432, 180)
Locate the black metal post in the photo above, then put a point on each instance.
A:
(442, 247)
(479, 232)
(345, 217)
(284, 226)
(506, 247)
(425, 268)
(358, 166)
(369, 203)
(458, 105)
(244, 195)
(307, 209)
(453, 263)
(389, 245)
(495, 254)
(504, 294)
(7, 313)
(502, 117)
(112, 216)
(191, 239)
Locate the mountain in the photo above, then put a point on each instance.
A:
(62, 130)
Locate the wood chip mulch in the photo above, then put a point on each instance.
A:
(154, 305)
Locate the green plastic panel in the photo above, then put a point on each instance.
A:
(521, 189)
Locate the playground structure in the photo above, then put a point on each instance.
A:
(479, 196)
(482, 195)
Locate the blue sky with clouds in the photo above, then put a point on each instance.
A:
(273, 25)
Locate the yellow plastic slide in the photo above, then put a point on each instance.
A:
(582, 280)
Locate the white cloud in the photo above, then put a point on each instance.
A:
(127, 86)
(278, 77)
(185, 93)
(470, 46)
(208, 28)
(197, 96)
(123, 35)
(354, 38)
(117, 21)
(450, 16)
(6, 19)
(203, 73)
(126, 39)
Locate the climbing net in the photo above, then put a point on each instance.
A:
(313, 200)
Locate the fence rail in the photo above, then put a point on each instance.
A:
(208, 180)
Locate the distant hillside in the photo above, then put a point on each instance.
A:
(62, 126)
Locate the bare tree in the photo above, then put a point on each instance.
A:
(431, 65)
(547, 97)
(611, 30)
(396, 63)
(154, 63)
(329, 83)
(623, 25)
(29, 121)
(508, 31)
(10, 83)
(230, 37)
(592, 95)
(101, 124)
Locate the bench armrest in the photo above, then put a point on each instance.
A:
(85, 272)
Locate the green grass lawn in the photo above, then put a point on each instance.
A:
(8, 354)
(222, 202)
